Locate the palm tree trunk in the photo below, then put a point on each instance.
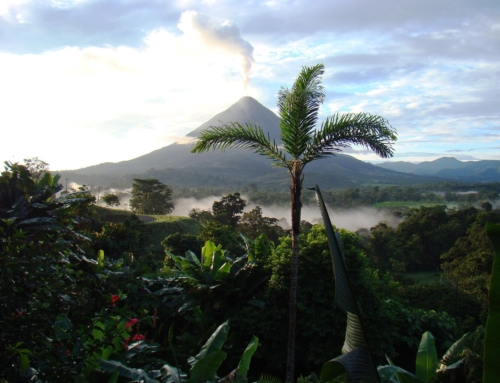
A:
(295, 190)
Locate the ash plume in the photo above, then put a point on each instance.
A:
(226, 36)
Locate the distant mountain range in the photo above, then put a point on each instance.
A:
(450, 168)
(175, 165)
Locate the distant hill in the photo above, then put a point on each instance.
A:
(450, 168)
(174, 164)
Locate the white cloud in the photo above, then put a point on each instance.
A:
(8, 9)
(119, 102)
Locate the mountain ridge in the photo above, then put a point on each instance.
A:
(172, 163)
(450, 168)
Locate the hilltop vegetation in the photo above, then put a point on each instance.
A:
(60, 324)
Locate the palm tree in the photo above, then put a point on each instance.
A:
(302, 143)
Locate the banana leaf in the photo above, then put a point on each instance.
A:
(357, 360)
(454, 354)
(171, 374)
(427, 360)
(397, 374)
(206, 368)
(356, 364)
(205, 364)
(400, 375)
(354, 334)
(207, 252)
(491, 365)
(244, 364)
(223, 272)
(136, 374)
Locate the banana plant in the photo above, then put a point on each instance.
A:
(464, 352)
(214, 266)
(357, 361)
(426, 364)
(204, 365)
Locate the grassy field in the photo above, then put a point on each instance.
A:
(163, 226)
(425, 277)
(160, 226)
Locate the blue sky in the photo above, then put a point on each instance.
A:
(90, 81)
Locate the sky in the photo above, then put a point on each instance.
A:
(89, 81)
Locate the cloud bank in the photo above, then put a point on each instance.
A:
(123, 77)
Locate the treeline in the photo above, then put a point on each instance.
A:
(443, 192)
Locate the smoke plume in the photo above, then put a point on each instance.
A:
(227, 37)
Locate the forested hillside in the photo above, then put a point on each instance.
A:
(96, 294)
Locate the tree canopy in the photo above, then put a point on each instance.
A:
(227, 211)
(111, 199)
(150, 196)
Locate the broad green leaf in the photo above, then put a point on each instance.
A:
(427, 360)
(206, 254)
(261, 246)
(171, 374)
(138, 347)
(491, 366)
(217, 261)
(454, 354)
(355, 343)
(106, 352)
(192, 256)
(188, 268)
(344, 295)
(206, 368)
(136, 374)
(397, 375)
(97, 334)
(100, 325)
(354, 335)
(47, 179)
(25, 362)
(100, 258)
(244, 364)
(223, 272)
(357, 364)
(214, 343)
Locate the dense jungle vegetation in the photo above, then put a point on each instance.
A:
(97, 295)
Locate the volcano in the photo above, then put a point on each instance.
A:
(175, 164)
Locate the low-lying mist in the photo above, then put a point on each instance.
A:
(350, 219)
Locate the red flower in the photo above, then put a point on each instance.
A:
(114, 299)
(126, 343)
(68, 353)
(131, 322)
(138, 337)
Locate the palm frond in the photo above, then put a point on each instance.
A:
(343, 130)
(298, 109)
(235, 135)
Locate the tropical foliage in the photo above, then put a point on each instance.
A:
(92, 301)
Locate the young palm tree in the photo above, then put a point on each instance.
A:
(302, 143)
